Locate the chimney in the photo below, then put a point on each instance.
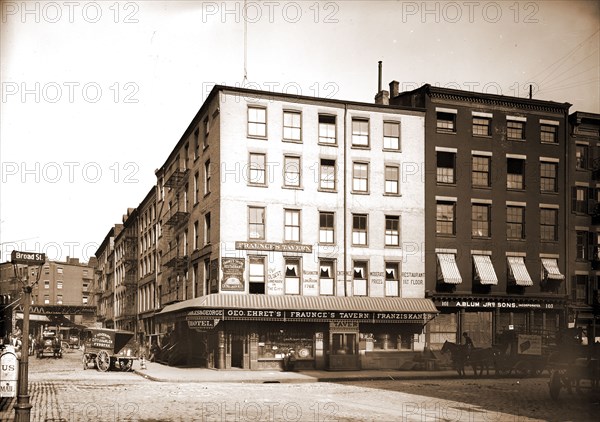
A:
(382, 97)
(394, 89)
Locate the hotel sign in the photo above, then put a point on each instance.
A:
(274, 247)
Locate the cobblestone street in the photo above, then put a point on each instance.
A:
(62, 391)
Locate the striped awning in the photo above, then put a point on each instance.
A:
(447, 269)
(485, 270)
(518, 271)
(551, 271)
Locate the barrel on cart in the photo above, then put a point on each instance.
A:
(107, 349)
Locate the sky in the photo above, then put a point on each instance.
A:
(96, 94)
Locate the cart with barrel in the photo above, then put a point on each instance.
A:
(108, 349)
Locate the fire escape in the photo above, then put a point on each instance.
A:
(130, 279)
(175, 258)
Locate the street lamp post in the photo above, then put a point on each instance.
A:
(23, 407)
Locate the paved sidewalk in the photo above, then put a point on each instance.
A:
(159, 372)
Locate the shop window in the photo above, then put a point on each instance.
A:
(326, 279)
(274, 344)
(343, 344)
(292, 277)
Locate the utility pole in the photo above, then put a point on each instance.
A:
(23, 407)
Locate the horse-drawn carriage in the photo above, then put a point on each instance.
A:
(574, 365)
(107, 349)
(462, 356)
(521, 354)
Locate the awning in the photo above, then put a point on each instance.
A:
(447, 269)
(485, 270)
(551, 271)
(305, 308)
(518, 271)
(34, 317)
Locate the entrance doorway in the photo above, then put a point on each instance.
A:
(237, 351)
(343, 353)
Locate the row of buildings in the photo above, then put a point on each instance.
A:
(358, 234)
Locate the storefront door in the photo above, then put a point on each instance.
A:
(343, 351)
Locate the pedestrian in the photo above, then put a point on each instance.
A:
(468, 343)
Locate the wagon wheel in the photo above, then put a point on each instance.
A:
(103, 361)
(555, 385)
(126, 365)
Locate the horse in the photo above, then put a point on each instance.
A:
(482, 358)
(458, 354)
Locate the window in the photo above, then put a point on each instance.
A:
(548, 175)
(196, 187)
(359, 229)
(360, 177)
(392, 230)
(292, 277)
(292, 126)
(582, 244)
(549, 133)
(392, 176)
(548, 224)
(446, 122)
(257, 169)
(327, 133)
(59, 299)
(480, 175)
(291, 171)
(515, 173)
(59, 270)
(292, 226)
(515, 222)
(256, 223)
(515, 130)
(46, 284)
(360, 278)
(360, 133)
(196, 143)
(207, 228)
(391, 279)
(480, 220)
(446, 162)
(196, 235)
(46, 299)
(580, 199)
(207, 175)
(327, 180)
(85, 300)
(257, 122)
(326, 277)
(581, 157)
(482, 126)
(391, 136)
(580, 288)
(206, 132)
(445, 218)
(59, 284)
(256, 276)
(326, 227)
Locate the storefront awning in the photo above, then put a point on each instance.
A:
(34, 317)
(551, 271)
(307, 308)
(485, 270)
(447, 269)
(518, 271)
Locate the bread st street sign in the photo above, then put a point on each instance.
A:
(27, 258)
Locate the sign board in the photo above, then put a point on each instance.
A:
(27, 258)
(9, 372)
(529, 345)
(233, 274)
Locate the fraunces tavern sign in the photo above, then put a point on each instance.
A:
(275, 247)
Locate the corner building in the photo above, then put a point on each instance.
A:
(496, 213)
(290, 222)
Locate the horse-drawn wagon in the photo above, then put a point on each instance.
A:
(107, 349)
(522, 354)
(574, 365)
